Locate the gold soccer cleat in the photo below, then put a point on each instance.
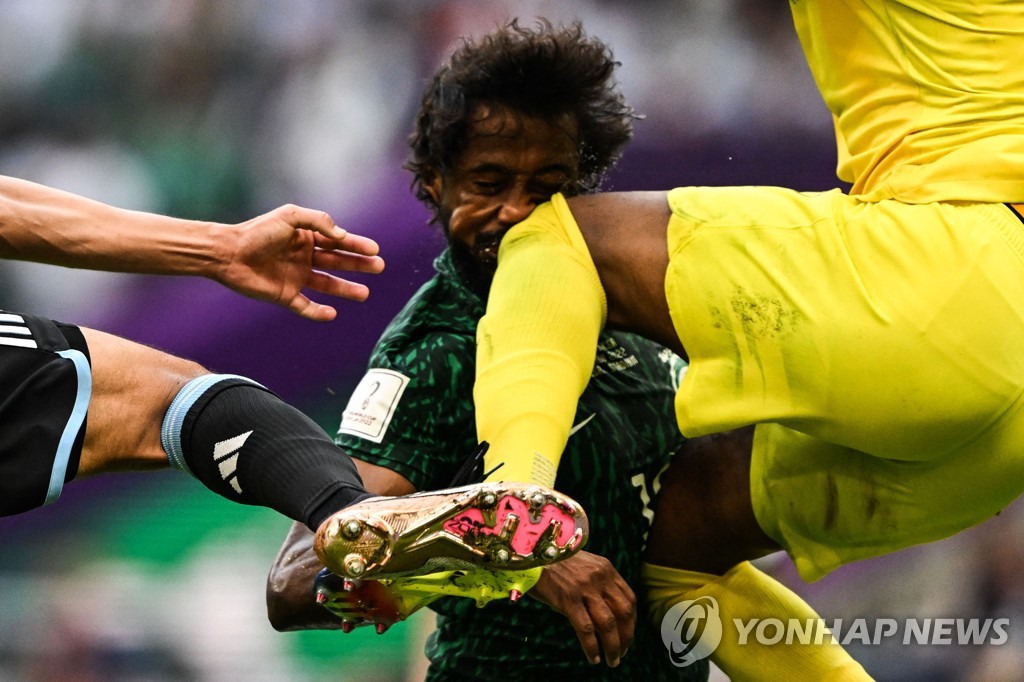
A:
(495, 526)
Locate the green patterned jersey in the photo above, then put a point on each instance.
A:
(413, 413)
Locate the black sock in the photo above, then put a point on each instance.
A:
(246, 444)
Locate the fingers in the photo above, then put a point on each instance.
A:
(586, 631)
(279, 254)
(358, 244)
(334, 259)
(339, 251)
(616, 622)
(327, 284)
(603, 624)
(333, 285)
(598, 602)
(310, 219)
(311, 310)
(322, 223)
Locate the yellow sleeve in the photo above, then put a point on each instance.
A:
(536, 344)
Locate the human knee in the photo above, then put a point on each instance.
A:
(123, 366)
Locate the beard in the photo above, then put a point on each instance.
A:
(477, 275)
(475, 271)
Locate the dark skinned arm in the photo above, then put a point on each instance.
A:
(290, 603)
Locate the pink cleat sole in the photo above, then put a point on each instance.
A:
(495, 526)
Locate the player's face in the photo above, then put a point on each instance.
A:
(511, 163)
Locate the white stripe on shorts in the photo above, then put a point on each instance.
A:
(16, 328)
(24, 343)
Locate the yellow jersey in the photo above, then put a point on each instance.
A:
(927, 95)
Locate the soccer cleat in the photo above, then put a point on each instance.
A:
(495, 526)
(382, 603)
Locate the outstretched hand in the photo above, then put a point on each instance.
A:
(599, 604)
(280, 253)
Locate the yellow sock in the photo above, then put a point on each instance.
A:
(743, 594)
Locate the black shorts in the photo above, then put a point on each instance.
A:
(45, 386)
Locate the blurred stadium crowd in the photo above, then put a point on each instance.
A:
(222, 109)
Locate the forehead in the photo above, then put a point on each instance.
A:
(503, 136)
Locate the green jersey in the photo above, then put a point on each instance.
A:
(413, 413)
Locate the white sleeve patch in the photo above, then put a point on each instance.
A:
(373, 404)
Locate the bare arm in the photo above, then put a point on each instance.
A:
(290, 603)
(598, 602)
(271, 257)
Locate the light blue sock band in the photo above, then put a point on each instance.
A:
(170, 430)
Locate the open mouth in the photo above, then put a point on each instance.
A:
(488, 253)
(487, 250)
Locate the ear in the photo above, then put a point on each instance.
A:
(432, 186)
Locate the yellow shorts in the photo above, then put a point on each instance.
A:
(881, 347)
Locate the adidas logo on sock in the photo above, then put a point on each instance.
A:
(225, 454)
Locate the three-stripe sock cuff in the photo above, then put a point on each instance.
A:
(246, 444)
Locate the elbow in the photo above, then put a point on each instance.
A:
(291, 604)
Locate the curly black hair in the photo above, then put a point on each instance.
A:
(545, 71)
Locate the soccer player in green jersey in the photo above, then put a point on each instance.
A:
(508, 121)
(482, 167)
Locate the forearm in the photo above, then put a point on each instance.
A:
(47, 225)
(290, 602)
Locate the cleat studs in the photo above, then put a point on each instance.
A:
(321, 598)
(352, 529)
(355, 565)
(514, 596)
(550, 552)
(347, 626)
(488, 500)
(537, 500)
(508, 529)
(502, 556)
(348, 584)
(381, 628)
